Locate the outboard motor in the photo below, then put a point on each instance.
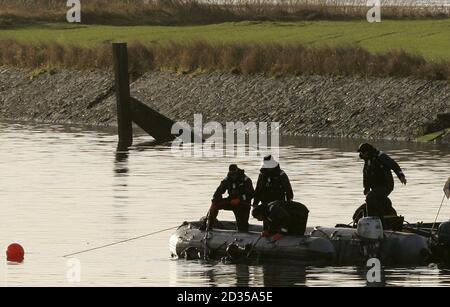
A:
(370, 228)
(370, 231)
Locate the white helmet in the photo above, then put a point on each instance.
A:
(269, 162)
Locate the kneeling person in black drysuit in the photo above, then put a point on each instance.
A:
(240, 193)
(378, 180)
(282, 217)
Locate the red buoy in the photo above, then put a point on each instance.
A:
(15, 253)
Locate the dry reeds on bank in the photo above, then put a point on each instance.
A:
(238, 58)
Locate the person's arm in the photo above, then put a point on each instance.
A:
(249, 191)
(392, 165)
(366, 181)
(287, 186)
(221, 189)
(258, 189)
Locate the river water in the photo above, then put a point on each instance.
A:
(65, 188)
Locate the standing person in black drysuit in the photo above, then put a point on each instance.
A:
(240, 194)
(273, 184)
(378, 179)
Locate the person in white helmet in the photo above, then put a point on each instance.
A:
(273, 184)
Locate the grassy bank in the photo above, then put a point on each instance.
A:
(272, 40)
(182, 12)
(429, 38)
(237, 58)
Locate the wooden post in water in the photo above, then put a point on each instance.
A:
(122, 80)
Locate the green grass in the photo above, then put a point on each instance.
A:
(430, 38)
(433, 136)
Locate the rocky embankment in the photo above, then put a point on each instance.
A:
(305, 105)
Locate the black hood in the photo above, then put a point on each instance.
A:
(368, 149)
(261, 210)
(239, 174)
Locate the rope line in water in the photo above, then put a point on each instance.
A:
(437, 215)
(120, 242)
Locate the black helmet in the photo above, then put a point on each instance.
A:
(366, 148)
(233, 168)
(234, 172)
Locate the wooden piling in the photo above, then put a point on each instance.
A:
(151, 121)
(122, 81)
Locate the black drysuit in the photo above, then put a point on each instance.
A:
(288, 218)
(273, 184)
(379, 183)
(239, 188)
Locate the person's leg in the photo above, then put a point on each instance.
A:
(302, 221)
(378, 202)
(299, 214)
(212, 216)
(374, 203)
(384, 201)
(265, 224)
(242, 214)
(214, 211)
(388, 208)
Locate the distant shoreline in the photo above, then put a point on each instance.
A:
(197, 12)
(369, 108)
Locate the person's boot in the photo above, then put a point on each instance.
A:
(208, 225)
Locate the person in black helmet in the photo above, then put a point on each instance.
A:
(273, 184)
(282, 218)
(240, 194)
(378, 180)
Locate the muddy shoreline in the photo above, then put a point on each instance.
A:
(369, 108)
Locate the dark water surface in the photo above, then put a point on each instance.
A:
(64, 189)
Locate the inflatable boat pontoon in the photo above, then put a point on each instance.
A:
(319, 246)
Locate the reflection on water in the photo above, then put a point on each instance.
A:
(65, 189)
(193, 273)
